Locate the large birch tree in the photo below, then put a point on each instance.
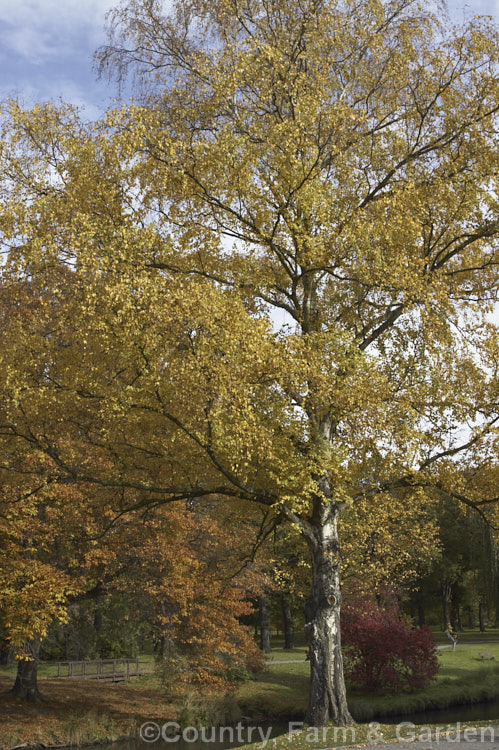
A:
(331, 163)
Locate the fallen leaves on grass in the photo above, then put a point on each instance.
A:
(79, 711)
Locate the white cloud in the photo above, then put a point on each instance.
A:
(46, 49)
(39, 30)
(54, 12)
(30, 92)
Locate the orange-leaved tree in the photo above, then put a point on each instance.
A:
(185, 565)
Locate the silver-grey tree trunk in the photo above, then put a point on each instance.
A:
(446, 598)
(328, 700)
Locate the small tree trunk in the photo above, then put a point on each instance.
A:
(287, 623)
(97, 621)
(98, 628)
(446, 596)
(421, 616)
(328, 701)
(481, 616)
(264, 627)
(471, 622)
(4, 652)
(26, 684)
(459, 619)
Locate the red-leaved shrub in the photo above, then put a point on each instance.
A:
(382, 652)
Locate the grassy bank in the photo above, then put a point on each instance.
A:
(310, 738)
(464, 678)
(282, 690)
(76, 712)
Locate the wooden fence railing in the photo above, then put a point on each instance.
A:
(115, 670)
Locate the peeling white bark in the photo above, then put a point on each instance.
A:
(322, 614)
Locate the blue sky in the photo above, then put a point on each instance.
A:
(46, 48)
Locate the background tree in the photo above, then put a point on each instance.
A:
(184, 567)
(464, 574)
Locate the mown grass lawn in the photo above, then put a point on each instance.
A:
(48, 669)
(468, 636)
(466, 660)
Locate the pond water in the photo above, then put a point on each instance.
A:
(212, 738)
(451, 715)
(224, 738)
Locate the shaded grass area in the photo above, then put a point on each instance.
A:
(279, 654)
(280, 691)
(79, 711)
